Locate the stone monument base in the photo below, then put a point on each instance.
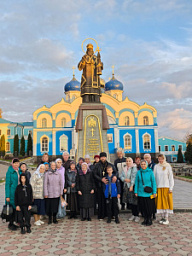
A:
(92, 125)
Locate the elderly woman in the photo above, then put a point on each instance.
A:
(12, 177)
(61, 210)
(37, 181)
(165, 183)
(53, 191)
(85, 187)
(128, 176)
(145, 188)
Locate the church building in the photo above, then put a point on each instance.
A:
(132, 127)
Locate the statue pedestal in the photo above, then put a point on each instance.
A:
(92, 125)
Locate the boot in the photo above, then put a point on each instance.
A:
(55, 220)
(22, 230)
(149, 222)
(117, 220)
(109, 220)
(28, 230)
(50, 220)
(144, 222)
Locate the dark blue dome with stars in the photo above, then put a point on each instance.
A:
(113, 84)
(73, 85)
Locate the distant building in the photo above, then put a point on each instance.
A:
(10, 129)
(169, 147)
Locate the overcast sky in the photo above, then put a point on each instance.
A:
(148, 41)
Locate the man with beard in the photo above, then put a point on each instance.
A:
(100, 171)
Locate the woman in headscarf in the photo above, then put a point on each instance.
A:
(128, 176)
(145, 188)
(37, 182)
(165, 183)
(85, 187)
(61, 210)
(53, 191)
(12, 178)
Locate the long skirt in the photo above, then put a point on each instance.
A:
(146, 206)
(164, 201)
(86, 212)
(52, 205)
(40, 206)
(72, 202)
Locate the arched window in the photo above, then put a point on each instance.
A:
(45, 144)
(73, 98)
(44, 123)
(8, 132)
(63, 143)
(127, 141)
(63, 122)
(126, 121)
(145, 120)
(147, 141)
(7, 146)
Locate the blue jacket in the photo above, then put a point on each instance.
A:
(149, 181)
(115, 188)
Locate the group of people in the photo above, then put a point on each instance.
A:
(87, 188)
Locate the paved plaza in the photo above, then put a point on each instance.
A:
(74, 237)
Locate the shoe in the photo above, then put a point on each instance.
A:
(109, 221)
(28, 230)
(41, 222)
(154, 217)
(166, 222)
(89, 219)
(37, 223)
(132, 218)
(117, 221)
(162, 220)
(144, 222)
(83, 219)
(22, 230)
(149, 222)
(15, 226)
(11, 227)
(50, 221)
(137, 219)
(100, 219)
(55, 220)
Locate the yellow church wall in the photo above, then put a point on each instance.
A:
(4, 128)
(60, 117)
(40, 117)
(145, 113)
(122, 118)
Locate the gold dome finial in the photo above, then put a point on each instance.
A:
(113, 72)
(74, 72)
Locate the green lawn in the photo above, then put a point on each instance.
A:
(187, 177)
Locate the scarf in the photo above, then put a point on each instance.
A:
(164, 164)
(38, 171)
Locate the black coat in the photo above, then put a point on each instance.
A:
(119, 160)
(71, 178)
(85, 183)
(23, 195)
(100, 171)
(66, 165)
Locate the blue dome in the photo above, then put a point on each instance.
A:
(73, 85)
(113, 84)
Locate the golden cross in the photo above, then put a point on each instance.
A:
(113, 69)
(92, 131)
(73, 70)
(98, 49)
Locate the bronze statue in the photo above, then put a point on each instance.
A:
(90, 81)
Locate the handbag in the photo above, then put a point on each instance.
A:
(131, 198)
(147, 189)
(7, 212)
(33, 209)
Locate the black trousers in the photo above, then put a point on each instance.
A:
(24, 216)
(135, 210)
(146, 206)
(101, 204)
(121, 198)
(51, 206)
(112, 207)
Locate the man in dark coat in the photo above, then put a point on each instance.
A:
(119, 164)
(66, 165)
(99, 172)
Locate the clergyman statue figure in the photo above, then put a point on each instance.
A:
(90, 80)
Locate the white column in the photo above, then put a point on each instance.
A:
(156, 140)
(53, 143)
(116, 137)
(137, 141)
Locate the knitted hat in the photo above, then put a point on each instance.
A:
(103, 154)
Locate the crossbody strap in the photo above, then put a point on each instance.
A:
(142, 179)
